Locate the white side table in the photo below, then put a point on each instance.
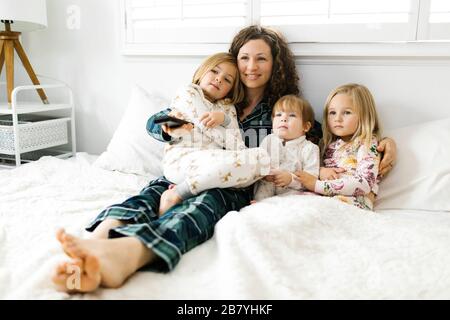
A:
(35, 128)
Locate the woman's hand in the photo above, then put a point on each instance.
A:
(212, 119)
(178, 131)
(308, 180)
(330, 173)
(388, 147)
(282, 178)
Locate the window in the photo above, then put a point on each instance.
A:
(437, 20)
(184, 21)
(341, 20)
(201, 26)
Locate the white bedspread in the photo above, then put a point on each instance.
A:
(295, 247)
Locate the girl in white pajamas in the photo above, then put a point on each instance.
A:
(288, 148)
(213, 153)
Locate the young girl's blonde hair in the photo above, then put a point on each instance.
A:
(364, 104)
(292, 103)
(236, 93)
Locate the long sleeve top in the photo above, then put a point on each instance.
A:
(291, 156)
(192, 104)
(361, 164)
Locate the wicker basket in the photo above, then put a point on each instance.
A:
(35, 132)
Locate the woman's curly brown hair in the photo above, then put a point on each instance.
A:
(284, 79)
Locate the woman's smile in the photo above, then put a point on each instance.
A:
(252, 76)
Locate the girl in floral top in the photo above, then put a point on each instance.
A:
(351, 133)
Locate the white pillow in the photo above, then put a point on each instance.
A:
(131, 149)
(421, 177)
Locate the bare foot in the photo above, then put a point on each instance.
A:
(94, 262)
(169, 198)
(78, 275)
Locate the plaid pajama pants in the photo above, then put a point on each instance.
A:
(180, 229)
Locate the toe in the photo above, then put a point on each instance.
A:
(67, 248)
(60, 281)
(61, 268)
(59, 278)
(69, 238)
(74, 250)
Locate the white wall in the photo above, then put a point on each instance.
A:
(90, 61)
(406, 92)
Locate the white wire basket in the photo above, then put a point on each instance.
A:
(35, 132)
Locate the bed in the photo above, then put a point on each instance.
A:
(292, 247)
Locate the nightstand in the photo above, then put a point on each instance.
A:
(30, 130)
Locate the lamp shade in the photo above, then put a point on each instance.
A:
(27, 15)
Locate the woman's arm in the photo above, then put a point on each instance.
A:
(361, 182)
(388, 149)
(155, 130)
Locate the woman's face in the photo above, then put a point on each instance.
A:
(255, 64)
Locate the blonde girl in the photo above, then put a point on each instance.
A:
(213, 153)
(351, 132)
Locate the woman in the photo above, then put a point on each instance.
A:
(131, 235)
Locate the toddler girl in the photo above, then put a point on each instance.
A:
(350, 134)
(196, 160)
(292, 118)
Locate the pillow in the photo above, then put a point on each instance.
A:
(421, 177)
(131, 149)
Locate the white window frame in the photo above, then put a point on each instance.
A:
(199, 44)
(418, 44)
(427, 31)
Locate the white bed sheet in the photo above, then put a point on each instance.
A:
(281, 248)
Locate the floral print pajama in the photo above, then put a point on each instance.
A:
(361, 164)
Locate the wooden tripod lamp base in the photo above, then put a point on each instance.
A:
(9, 41)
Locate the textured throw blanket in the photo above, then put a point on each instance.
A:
(293, 247)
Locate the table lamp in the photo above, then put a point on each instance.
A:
(17, 16)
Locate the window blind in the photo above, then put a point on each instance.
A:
(177, 26)
(341, 20)
(175, 21)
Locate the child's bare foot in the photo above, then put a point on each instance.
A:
(169, 198)
(95, 262)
